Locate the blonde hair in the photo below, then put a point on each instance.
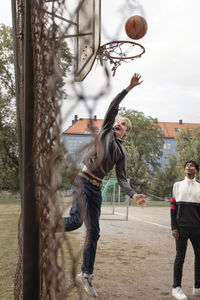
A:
(127, 122)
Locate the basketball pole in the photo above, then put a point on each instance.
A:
(31, 271)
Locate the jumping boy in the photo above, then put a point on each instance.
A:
(107, 152)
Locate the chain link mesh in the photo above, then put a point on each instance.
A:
(19, 82)
(49, 62)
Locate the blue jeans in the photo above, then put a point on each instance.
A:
(86, 207)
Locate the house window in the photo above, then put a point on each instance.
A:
(72, 141)
(177, 129)
(167, 146)
(95, 129)
(190, 132)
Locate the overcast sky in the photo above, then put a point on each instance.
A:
(170, 66)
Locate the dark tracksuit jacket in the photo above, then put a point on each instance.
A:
(108, 150)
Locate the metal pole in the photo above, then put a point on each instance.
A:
(118, 194)
(31, 272)
(127, 203)
(113, 200)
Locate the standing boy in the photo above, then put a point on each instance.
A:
(185, 223)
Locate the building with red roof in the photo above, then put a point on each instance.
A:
(82, 131)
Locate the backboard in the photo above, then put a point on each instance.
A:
(88, 37)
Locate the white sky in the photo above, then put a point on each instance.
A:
(170, 67)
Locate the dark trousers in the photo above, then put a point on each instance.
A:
(86, 206)
(181, 246)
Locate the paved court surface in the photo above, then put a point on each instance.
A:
(135, 257)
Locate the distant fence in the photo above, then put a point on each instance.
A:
(114, 197)
(8, 197)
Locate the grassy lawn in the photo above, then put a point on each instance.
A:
(9, 215)
(151, 203)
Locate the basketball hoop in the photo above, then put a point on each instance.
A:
(119, 51)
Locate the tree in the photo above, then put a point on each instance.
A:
(162, 184)
(188, 145)
(69, 173)
(9, 165)
(143, 144)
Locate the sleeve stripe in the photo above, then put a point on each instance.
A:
(173, 207)
(173, 203)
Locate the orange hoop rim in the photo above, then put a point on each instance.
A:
(102, 49)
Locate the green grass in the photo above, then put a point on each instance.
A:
(9, 215)
(158, 203)
(7, 197)
(151, 203)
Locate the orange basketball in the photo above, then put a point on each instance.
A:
(136, 27)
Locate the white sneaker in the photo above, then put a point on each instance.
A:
(196, 292)
(86, 281)
(178, 293)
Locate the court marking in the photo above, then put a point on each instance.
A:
(148, 222)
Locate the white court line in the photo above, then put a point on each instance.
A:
(152, 223)
(148, 222)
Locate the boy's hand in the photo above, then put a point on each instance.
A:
(139, 199)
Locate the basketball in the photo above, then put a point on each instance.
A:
(136, 27)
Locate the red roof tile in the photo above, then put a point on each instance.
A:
(84, 126)
(170, 129)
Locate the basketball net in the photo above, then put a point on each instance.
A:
(117, 52)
